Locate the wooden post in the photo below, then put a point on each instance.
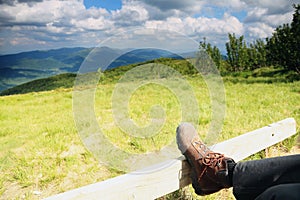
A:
(171, 175)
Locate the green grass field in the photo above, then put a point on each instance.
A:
(41, 153)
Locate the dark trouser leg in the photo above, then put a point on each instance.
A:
(252, 178)
(289, 191)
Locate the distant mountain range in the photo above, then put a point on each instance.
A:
(23, 67)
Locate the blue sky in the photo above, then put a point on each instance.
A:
(51, 24)
(107, 4)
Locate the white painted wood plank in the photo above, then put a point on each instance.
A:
(252, 142)
(158, 180)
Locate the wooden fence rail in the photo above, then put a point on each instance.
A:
(171, 175)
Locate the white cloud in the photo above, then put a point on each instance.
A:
(165, 5)
(264, 16)
(55, 23)
(25, 41)
(273, 6)
(261, 15)
(235, 5)
(130, 15)
(259, 30)
(171, 23)
(60, 13)
(279, 19)
(255, 14)
(96, 24)
(201, 25)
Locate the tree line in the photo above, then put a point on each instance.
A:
(281, 49)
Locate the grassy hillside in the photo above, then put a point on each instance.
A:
(263, 75)
(20, 68)
(23, 67)
(67, 80)
(44, 84)
(41, 153)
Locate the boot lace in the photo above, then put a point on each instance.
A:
(213, 159)
(209, 158)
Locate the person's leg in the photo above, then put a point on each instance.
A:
(284, 191)
(213, 171)
(251, 178)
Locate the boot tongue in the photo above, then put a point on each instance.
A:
(200, 148)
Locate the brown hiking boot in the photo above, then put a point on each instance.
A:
(209, 169)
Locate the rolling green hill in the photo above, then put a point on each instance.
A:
(20, 68)
(23, 67)
(66, 80)
(44, 84)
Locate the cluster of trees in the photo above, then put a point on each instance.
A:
(241, 57)
(281, 49)
(284, 46)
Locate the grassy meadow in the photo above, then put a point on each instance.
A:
(41, 153)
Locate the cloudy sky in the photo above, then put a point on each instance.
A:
(27, 25)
